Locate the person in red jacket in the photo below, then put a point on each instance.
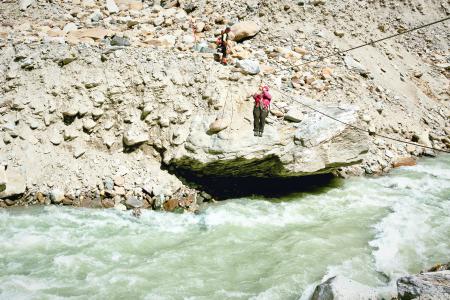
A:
(261, 110)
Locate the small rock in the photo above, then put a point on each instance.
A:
(404, 162)
(120, 41)
(96, 16)
(120, 207)
(318, 2)
(327, 73)
(111, 6)
(132, 23)
(108, 183)
(67, 201)
(339, 33)
(69, 27)
(247, 66)
(170, 205)
(294, 114)
(217, 126)
(277, 113)
(158, 21)
(24, 4)
(318, 85)
(366, 118)
(70, 133)
(418, 74)
(108, 203)
(119, 180)
(70, 111)
(78, 151)
(56, 196)
(410, 148)
(41, 198)
(97, 113)
(109, 140)
(55, 138)
(134, 135)
(89, 125)
(356, 66)
(164, 121)
(422, 138)
(134, 202)
(119, 190)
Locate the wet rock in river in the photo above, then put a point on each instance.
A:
(404, 162)
(430, 285)
(341, 288)
(170, 205)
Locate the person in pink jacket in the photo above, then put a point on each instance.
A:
(261, 110)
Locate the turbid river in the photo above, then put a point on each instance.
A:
(368, 229)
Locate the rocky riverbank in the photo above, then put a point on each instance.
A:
(99, 99)
(431, 284)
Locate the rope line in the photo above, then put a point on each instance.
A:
(358, 128)
(372, 42)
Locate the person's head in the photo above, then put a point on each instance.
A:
(264, 88)
(227, 30)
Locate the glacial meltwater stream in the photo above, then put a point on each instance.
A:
(371, 230)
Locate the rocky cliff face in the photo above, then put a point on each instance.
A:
(98, 97)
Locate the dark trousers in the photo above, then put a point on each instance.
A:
(224, 51)
(259, 118)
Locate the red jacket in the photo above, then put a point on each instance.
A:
(263, 99)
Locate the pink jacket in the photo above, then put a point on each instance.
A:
(263, 99)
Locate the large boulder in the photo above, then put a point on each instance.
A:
(341, 288)
(2, 178)
(243, 30)
(314, 146)
(14, 183)
(429, 285)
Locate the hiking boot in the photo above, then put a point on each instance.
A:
(260, 133)
(255, 133)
